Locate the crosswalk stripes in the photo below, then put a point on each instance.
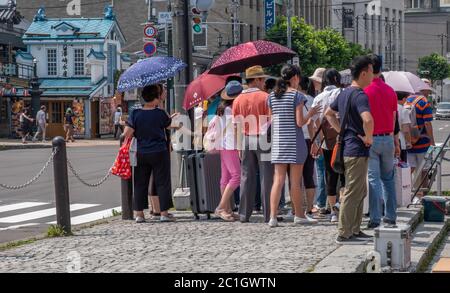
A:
(18, 215)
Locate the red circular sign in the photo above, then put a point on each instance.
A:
(150, 31)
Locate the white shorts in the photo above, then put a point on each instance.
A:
(414, 160)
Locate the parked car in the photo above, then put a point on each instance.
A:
(443, 111)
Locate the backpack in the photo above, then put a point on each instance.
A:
(410, 108)
(212, 139)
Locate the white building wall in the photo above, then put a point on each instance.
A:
(383, 33)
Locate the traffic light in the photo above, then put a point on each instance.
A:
(196, 21)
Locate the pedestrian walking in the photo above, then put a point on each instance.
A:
(328, 138)
(41, 121)
(356, 127)
(229, 154)
(68, 125)
(25, 125)
(289, 148)
(383, 107)
(251, 114)
(148, 126)
(118, 122)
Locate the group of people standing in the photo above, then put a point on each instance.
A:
(288, 129)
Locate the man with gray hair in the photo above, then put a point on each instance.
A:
(41, 121)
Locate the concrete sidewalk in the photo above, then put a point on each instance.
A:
(202, 246)
(8, 144)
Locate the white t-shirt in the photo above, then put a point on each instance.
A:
(228, 138)
(306, 108)
(403, 118)
(117, 116)
(40, 117)
(325, 99)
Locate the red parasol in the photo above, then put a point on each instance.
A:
(202, 88)
(239, 58)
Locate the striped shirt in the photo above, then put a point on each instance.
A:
(424, 113)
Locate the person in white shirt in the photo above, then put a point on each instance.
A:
(404, 121)
(331, 84)
(41, 121)
(117, 122)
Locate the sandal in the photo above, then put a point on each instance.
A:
(224, 215)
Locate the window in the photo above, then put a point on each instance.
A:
(251, 4)
(417, 3)
(257, 5)
(251, 32)
(79, 61)
(57, 113)
(51, 62)
(258, 33)
(349, 15)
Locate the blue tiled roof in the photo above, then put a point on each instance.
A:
(88, 28)
(24, 55)
(97, 55)
(61, 87)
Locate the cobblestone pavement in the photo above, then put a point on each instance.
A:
(185, 246)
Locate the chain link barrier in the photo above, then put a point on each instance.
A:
(75, 173)
(32, 180)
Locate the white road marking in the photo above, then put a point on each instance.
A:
(18, 226)
(92, 216)
(22, 205)
(42, 214)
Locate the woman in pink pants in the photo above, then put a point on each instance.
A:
(229, 155)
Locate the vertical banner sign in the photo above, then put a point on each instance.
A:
(64, 60)
(269, 8)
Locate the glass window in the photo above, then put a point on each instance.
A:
(56, 116)
(51, 62)
(79, 61)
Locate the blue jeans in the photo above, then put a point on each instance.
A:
(382, 179)
(321, 196)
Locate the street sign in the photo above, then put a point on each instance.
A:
(164, 17)
(150, 49)
(269, 19)
(296, 61)
(150, 31)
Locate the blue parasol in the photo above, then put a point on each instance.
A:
(149, 71)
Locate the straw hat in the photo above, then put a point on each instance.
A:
(232, 90)
(318, 75)
(255, 72)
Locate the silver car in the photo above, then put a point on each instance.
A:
(443, 111)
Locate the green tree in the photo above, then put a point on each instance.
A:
(434, 67)
(304, 42)
(315, 48)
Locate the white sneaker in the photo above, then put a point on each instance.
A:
(140, 220)
(289, 215)
(311, 220)
(273, 223)
(334, 218)
(302, 221)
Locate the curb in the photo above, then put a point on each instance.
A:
(352, 258)
(24, 147)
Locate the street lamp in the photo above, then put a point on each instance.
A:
(35, 91)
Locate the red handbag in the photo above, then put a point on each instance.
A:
(122, 167)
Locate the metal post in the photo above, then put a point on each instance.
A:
(439, 174)
(61, 184)
(289, 25)
(126, 193)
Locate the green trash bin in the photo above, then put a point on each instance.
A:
(434, 208)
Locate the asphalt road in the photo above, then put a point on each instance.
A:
(25, 206)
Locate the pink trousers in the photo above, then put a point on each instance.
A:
(231, 169)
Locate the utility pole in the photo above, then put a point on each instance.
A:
(182, 49)
(235, 20)
(289, 25)
(357, 29)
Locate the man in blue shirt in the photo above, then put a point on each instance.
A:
(358, 137)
